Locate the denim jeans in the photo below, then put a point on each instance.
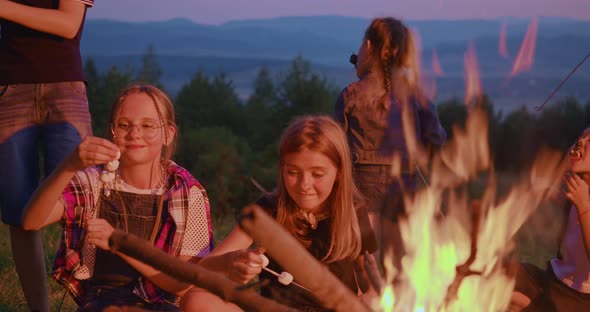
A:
(52, 117)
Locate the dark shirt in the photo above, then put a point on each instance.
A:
(30, 56)
(320, 243)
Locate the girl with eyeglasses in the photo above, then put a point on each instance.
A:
(128, 183)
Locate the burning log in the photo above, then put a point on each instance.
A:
(194, 274)
(464, 269)
(294, 258)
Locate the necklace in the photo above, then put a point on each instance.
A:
(314, 218)
(310, 218)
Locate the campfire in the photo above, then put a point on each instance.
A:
(454, 260)
(456, 242)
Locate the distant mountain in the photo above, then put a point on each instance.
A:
(322, 39)
(239, 48)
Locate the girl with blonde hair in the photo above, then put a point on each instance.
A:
(317, 202)
(128, 183)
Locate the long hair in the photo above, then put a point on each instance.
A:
(323, 135)
(163, 106)
(393, 54)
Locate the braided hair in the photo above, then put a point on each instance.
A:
(393, 54)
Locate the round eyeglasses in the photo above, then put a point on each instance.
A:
(147, 129)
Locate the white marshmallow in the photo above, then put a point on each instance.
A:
(285, 278)
(112, 165)
(107, 176)
(265, 260)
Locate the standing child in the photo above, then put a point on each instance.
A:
(44, 105)
(386, 118)
(147, 195)
(317, 202)
(565, 284)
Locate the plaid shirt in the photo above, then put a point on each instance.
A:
(81, 196)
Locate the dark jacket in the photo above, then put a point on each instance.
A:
(375, 135)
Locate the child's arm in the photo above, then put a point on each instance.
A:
(578, 193)
(44, 207)
(233, 259)
(433, 133)
(64, 22)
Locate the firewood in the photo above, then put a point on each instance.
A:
(218, 284)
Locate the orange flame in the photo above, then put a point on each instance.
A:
(473, 89)
(526, 54)
(502, 48)
(436, 247)
(436, 67)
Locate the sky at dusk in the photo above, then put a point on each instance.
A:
(219, 11)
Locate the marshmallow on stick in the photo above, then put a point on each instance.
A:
(284, 278)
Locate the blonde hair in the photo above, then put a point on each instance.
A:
(394, 54)
(323, 135)
(163, 106)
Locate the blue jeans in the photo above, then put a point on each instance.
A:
(52, 117)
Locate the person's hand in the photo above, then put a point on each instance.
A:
(245, 264)
(98, 232)
(92, 151)
(577, 191)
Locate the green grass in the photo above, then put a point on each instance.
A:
(11, 296)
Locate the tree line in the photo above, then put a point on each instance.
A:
(226, 141)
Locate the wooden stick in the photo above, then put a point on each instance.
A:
(295, 259)
(194, 274)
(279, 275)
